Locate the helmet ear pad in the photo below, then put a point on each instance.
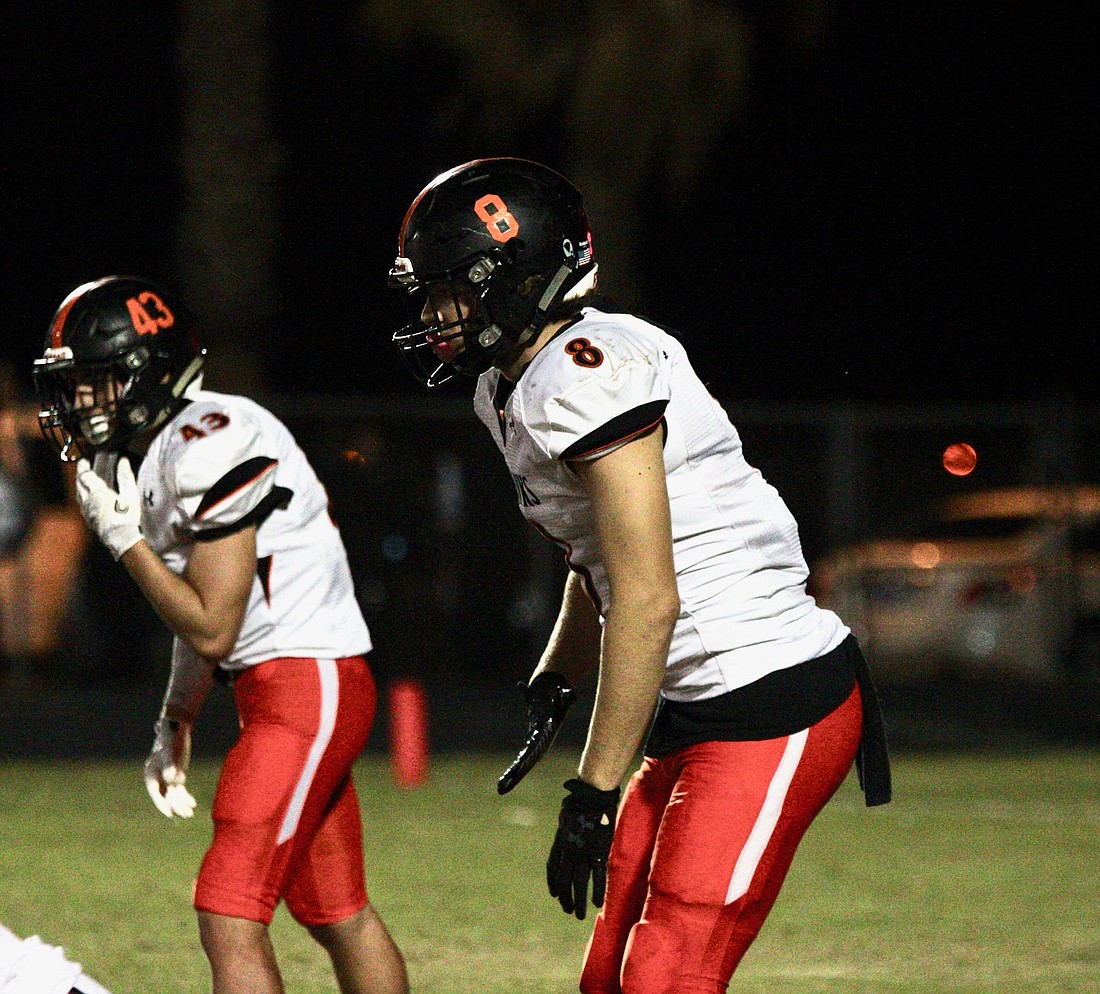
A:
(521, 302)
(506, 300)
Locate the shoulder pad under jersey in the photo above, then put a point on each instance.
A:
(597, 391)
(224, 467)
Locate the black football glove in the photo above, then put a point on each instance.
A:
(548, 697)
(581, 846)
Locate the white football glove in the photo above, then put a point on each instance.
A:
(114, 515)
(166, 768)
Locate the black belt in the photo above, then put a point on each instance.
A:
(782, 703)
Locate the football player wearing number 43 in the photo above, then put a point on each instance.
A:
(686, 591)
(226, 529)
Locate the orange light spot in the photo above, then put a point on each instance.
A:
(960, 459)
(926, 555)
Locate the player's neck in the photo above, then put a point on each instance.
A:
(513, 369)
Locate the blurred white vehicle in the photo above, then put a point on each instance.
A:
(1003, 583)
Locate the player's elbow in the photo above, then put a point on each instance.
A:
(214, 632)
(659, 606)
(215, 644)
(667, 609)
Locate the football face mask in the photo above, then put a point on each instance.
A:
(84, 404)
(449, 333)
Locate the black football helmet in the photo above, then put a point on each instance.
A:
(500, 245)
(119, 354)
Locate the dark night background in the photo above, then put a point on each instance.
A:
(873, 226)
(871, 223)
(896, 211)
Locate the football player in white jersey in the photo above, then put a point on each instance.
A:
(225, 528)
(686, 590)
(31, 966)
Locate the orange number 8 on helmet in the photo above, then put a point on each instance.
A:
(499, 222)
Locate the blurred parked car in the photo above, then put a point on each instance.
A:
(1001, 583)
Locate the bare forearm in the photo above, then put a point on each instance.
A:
(189, 683)
(178, 603)
(635, 651)
(573, 649)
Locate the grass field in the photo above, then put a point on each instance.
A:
(983, 877)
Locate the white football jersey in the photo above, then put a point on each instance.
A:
(31, 966)
(744, 610)
(224, 461)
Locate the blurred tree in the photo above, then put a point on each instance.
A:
(658, 84)
(229, 224)
(640, 92)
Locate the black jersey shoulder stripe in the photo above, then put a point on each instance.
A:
(239, 477)
(619, 429)
(277, 500)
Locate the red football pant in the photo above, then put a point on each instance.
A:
(703, 842)
(286, 817)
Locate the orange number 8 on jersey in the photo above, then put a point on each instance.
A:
(499, 222)
(584, 353)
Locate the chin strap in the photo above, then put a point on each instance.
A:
(548, 299)
(550, 296)
(187, 384)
